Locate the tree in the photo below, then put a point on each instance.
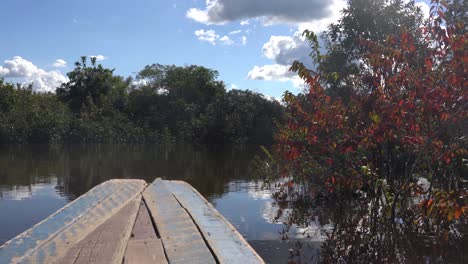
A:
(28, 116)
(192, 84)
(94, 82)
(250, 117)
(369, 20)
(373, 150)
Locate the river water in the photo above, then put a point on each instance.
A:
(37, 180)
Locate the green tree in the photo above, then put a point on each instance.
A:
(250, 117)
(96, 82)
(28, 116)
(177, 98)
(364, 20)
(192, 84)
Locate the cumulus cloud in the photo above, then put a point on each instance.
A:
(275, 72)
(315, 15)
(3, 71)
(98, 57)
(226, 40)
(211, 37)
(25, 71)
(244, 22)
(207, 35)
(283, 51)
(270, 11)
(59, 63)
(286, 49)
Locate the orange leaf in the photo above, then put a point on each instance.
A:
(429, 203)
(457, 213)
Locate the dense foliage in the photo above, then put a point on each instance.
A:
(363, 20)
(165, 103)
(385, 141)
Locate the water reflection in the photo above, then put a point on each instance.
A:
(36, 180)
(77, 168)
(18, 192)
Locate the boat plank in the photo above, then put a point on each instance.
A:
(144, 247)
(145, 251)
(21, 244)
(61, 239)
(143, 228)
(107, 243)
(181, 238)
(227, 244)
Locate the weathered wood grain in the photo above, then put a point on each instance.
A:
(47, 228)
(107, 243)
(227, 244)
(145, 251)
(49, 240)
(144, 247)
(112, 224)
(181, 239)
(143, 228)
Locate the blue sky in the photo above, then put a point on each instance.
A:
(250, 42)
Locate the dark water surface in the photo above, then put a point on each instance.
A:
(37, 180)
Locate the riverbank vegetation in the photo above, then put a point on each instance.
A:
(162, 104)
(381, 134)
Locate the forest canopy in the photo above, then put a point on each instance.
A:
(162, 104)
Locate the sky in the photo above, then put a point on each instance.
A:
(251, 43)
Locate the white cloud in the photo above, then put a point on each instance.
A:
(208, 35)
(235, 32)
(244, 40)
(59, 63)
(213, 38)
(3, 71)
(425, 9)
(314, 15)
(244, 22)
(226, 40)
(26, 72)
(270, 11)
(283, 51)
(99, 57)
(269, 72)
(139, 82)
(275, 72)
(286, 49)
(233, 86)
(271, 98)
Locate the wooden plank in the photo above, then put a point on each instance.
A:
(45, 229)
(144, 246)
(107, 243)
(227, 244)
(181, 239)
(145, 251)
(52, 238)
(143, 228)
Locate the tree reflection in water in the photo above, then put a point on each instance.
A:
(78, 168)
(356, 229)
